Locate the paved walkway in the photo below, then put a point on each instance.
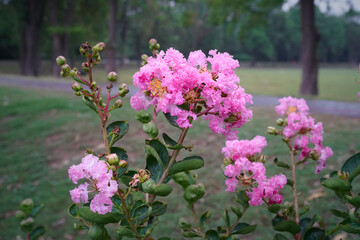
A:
(348, 109)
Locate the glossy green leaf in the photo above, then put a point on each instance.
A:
(158, 208)
(89, 103)
(73, 210)
(242, 198)
(243, 228)
(194, 192)
(355, 201)
(155, 168)
(37, 232)
(123, 231)
(161, 150)
(283, 165)
(339, 213)
(150, 151)
(226, 217)
(204, 217)
(37, 209)
(211, 235)
(98, 232)
(191, 234)
(171, 119)
(287, 226)
(122, 126)
(354, 174)
(279, 236)
(187, 164)
(141, 213)
(290, 182)
(337, 184)
(307, 223)
(314, 234)
(237, 211)
(87, 214)
(351, 164)
(170, 143)
(274, 208)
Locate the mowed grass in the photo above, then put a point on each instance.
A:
(339, 83)
(43, 133)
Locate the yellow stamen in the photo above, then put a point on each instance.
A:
(156, 89)
(291, 109)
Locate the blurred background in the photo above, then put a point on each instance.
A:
(285, 47)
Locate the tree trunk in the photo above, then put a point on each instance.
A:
(309, 39)
(111, 45)
(124, 28)
(30, 52)
(56, 46)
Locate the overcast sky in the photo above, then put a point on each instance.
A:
(337, 7)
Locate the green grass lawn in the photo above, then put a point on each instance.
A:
(337, 83)
(43, 133)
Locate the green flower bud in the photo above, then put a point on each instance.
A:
(27, 205)
(163, 190)
(84, 48)
(194, 192)
(97, 232)
(73, 72)
(144, 175)
(100, 47)
(314, 155)
(123, 90)
(143, 116)
(27, 225)
(97, 60)
(157, 46)
(151, 129)
(144, 57)
(118, 103)
(20, 215)
(77, 93)
(149, 186)
(60, 60)
(272, 130)
(64, 74)
(65, 68)
(182, 179)
(123, 164)
(280, 121)
(152, 44)
(112, 76)
(93, 85)
(112, 159)
(227, 161)
(76, 87)
(113, 168)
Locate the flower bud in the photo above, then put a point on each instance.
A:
(73, 72)
(144, 175)
(100, 47)
(149, 186)
(151, 129)
(143, 116)
(112, 76)
(262, 158)
(280, 121)
(84, 48)
(123, 164)
(85, 66)
(77, 93)
(118, 103)
(123, 90)
(27, 205)
(157, 46)
(20, 215)
(64, 74)
(65, 68)
(112, 159)
(314, 154)
(144, 57)
(93, 85)
(60, 60)
(113, 168)
(97, 59)
(152, 44)
(227, 161)
(272, 130)
(27, 225)
(76, 87)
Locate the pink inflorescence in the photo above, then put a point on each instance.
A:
(100, 177)
(251, 174)
(187, 89)
(304, 130)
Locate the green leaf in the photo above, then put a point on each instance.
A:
(279, 236)
(237, 211)
(193, 193)
(161, 150)
(73, 210)
(314, 234)
(163, 190)
(168, 140)
(187, 164)
(123, 231)
(337, 184)
(171, 120)
(89, 103)
(226, 217)
(190, 234)
(290, 182)
(307, 223)
(354, 174)
(211, 235)
(351, 227)
(355, 201)
(155, 168)
(287, 226)
(97, 232)
(204, 217)
(78, 79)
(121, 126)
(87, 214)
(274, 208)
(243, 228)
(141, 213)
(282, 165)
(182, 179)
(150, 151)
(242, 198)
(339, 213)
(351, 164)
(158, 208)
(36, 210)
(37, 232)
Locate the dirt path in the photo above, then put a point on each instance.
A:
(337, 108)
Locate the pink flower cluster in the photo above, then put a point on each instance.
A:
(251, 174)
(100, 177)
(303, 127)
(180, 86)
